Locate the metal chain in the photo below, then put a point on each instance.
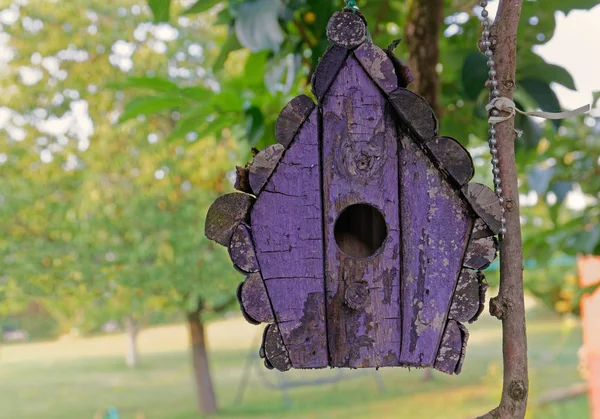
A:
(494, 93)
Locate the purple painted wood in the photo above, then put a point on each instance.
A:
(361, 167)
(378, 66)
(452, 349)
(435, 228)
(241, 250)
(254, 299)
(288, 234)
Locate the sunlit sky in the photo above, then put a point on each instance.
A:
(575, 46)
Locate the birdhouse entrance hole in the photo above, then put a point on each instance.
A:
(360, 231)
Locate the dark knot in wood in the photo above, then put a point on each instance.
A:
(359, 159)
(357, 295)
(500, 308)
(517, 390)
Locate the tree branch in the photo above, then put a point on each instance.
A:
(422, 32)
(509, 305)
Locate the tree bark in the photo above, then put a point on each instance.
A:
(204, 387)
(131, 331)
(422, 32)
(509, 305)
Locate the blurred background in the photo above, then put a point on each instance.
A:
(122, 120)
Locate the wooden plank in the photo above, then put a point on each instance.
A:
(254, 299)
(274, 349)
(329, 66)
(263, 166)
(466, 300)
(481, 253)
(415, 113)
(225, 214)
(452, 349)
(347, 29)
(378, 66)
(291, 119)
(486, 205)
(361, 167)
(241, 250)
(453, 158)
(287, 227)
(436, 224)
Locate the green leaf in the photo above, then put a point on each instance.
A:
(543, 95)
(157, 84)
(474, 74)
(201, 6)
(189, 122)
(255, 125)
(161, 9)
(197, 93)
(147, 106)
(231, 44)
(539, 69)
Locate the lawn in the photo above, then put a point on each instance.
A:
(80, 378)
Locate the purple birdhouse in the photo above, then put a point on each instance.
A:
(359, 232)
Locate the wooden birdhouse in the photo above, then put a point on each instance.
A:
(362, 239)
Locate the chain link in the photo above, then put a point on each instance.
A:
(494, 93)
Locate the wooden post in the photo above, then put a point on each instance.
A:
(589, 275)
(509, 305)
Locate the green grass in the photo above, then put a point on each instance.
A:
(78, 379)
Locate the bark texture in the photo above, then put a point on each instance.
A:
(204, 386)
(509, 305)
(131, 329)
(422, 32)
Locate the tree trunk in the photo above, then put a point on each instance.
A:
(422, 32)
(131, 331)
(509, 305)
(204, 387)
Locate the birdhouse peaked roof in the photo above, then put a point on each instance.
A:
(367, 140)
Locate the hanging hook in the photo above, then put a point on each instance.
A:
(351, 5)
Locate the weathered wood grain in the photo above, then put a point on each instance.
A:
(225, 214)
(275, 351)
(403, 72)
(287, 227)
(415, 113)
(486, 205)
(347, 29)
(483, 287)
(453, 158)
(241, 250)
(436, 224)
(481, 253)
(480, 230)
(247, 316)
(452, 349)
(242, 180)
(466, 301)
(254, 299)
(361, 167)
(329, 66)
(263, 166)
(378, 66)
(291, 119)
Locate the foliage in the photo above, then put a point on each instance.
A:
(102, 220)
